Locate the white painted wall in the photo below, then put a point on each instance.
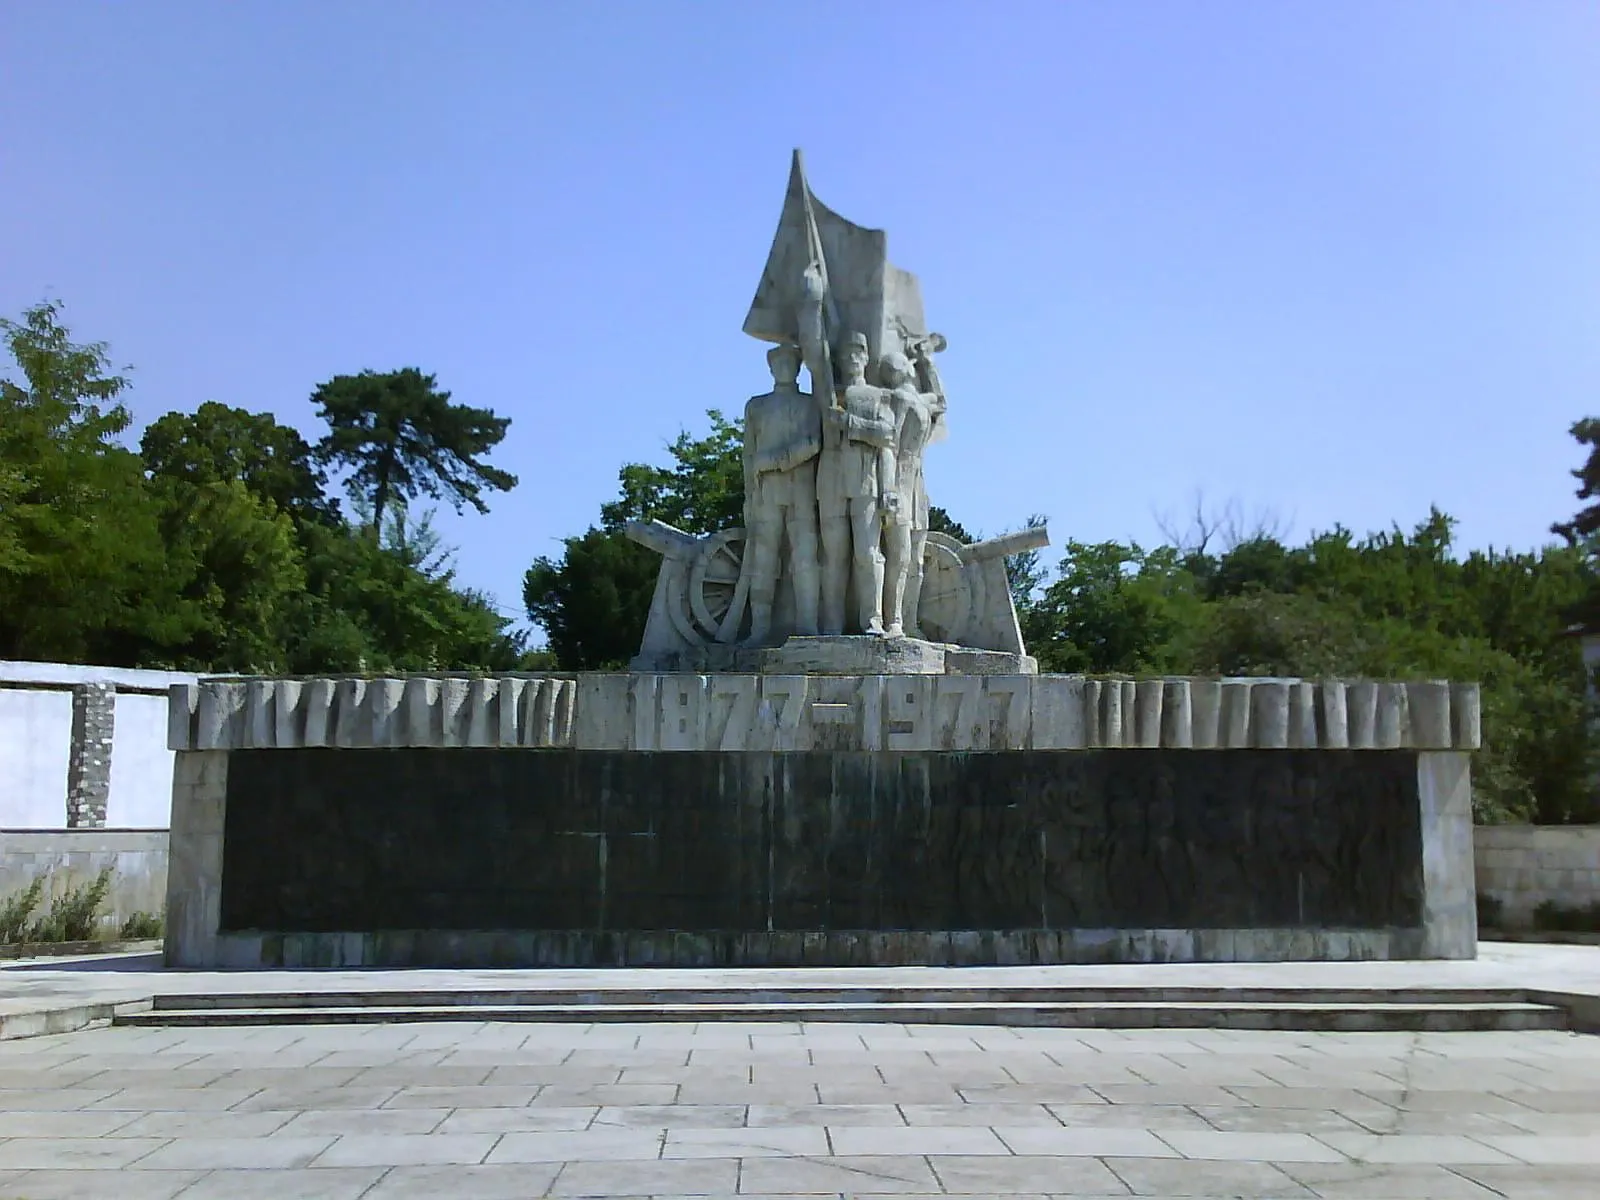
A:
(141, 765)
(35, 730)
(36, 735)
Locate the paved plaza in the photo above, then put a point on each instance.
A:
(514, 1110)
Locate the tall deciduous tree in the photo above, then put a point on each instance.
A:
(82, 566)
(701, 492)
(219, 444)
(592, 601)
(392, 605)
(238, 571)
(399, 436)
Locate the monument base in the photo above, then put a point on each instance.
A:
(812, 819)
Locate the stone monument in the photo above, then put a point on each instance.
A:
(832, 749)
(836, 569)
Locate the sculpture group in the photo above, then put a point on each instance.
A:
(836, 539)
(834, 486)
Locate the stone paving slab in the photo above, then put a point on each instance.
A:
(196, 1113)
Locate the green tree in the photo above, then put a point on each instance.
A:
(940, 521)
(1261, 632)
(237, 568)
(82, 566)
(399, 436)
(219, 444)
(1394, 605)
(392, 605)
(1391, 605)
(1114, 608)
(1585, 524)
(701, 492)
(592, 602)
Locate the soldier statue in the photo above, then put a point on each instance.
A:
(782, 438)
(916, 417)
(858, 429)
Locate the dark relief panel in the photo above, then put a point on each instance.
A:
(324, 840)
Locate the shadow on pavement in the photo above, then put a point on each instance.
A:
(104, 962)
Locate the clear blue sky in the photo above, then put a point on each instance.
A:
(1339, 261)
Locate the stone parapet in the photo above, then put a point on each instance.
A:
(759, 713)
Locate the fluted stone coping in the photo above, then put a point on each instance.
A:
(362, 714)
(725, 712)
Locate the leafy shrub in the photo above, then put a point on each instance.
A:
(72, 915)
(14, 913)
(142, 925)
(1556, 918)
(1489, 910)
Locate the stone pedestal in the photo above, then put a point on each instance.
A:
(860, 654)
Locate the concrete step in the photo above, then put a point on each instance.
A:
(1358, 1016)
(846, 994)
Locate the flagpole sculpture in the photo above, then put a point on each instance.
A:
(836, 569)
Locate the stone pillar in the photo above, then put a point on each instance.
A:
(1449, 887)
(94, 719)
(194, 859)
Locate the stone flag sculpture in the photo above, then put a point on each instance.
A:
(836, 544)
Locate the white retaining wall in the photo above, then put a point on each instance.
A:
(36, 737)
(1522, 866)
(35, 731)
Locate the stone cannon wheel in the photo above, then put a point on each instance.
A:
(714, 583)
(945, 608)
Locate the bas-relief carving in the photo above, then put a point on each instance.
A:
(836, 538)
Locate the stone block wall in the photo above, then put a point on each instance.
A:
(69, 858)
(1522, 866)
